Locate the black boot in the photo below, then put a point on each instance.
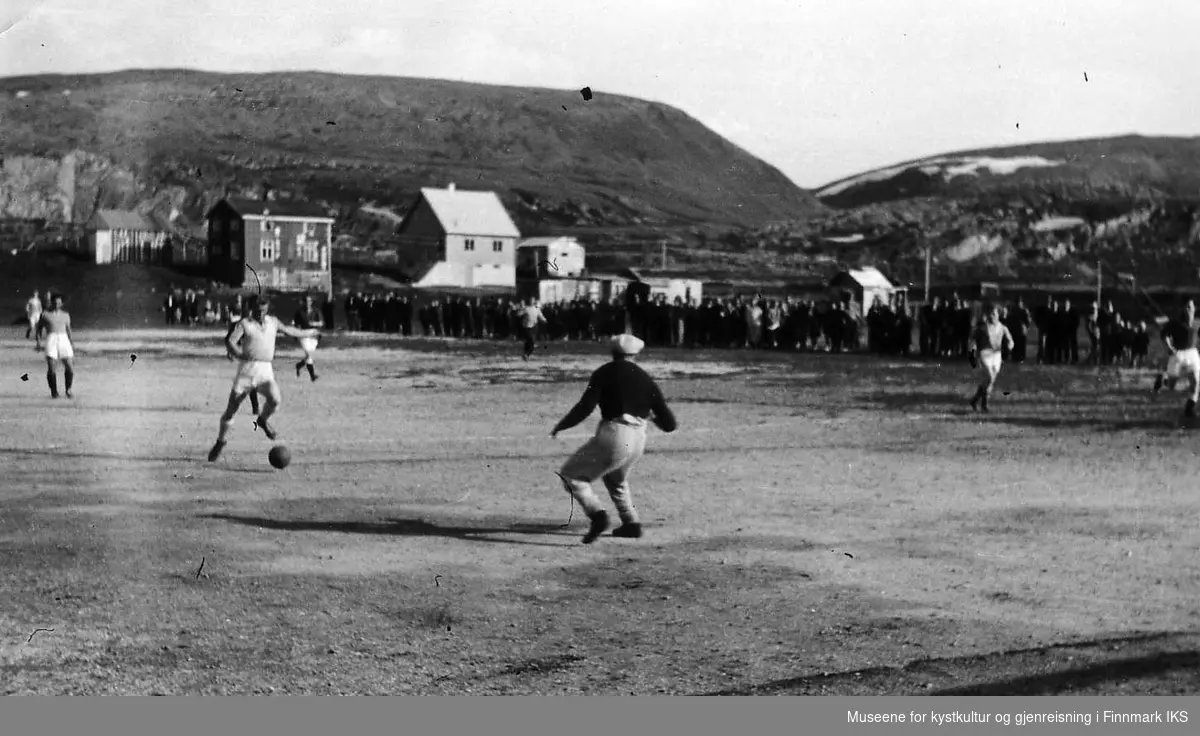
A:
(52, 379)
(312, 371)
(599, 524)
(630, 530)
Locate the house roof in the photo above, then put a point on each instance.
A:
(868, 277)
(123, 220)
(544, 242)
(256, 207)
(470, 213)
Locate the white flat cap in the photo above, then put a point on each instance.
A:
(626, 344)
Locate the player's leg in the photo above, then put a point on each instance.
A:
(629, 443)
(52, 376)
(68, 375)
(254, 405)
(591, 461)
(236, 397)
(991, 371)
(529, 343)
(309, 346)
(1192, 373)
(273, 396)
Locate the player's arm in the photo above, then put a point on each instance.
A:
(233, 337)
(661, 414)
(1168, 340)
(42, 328)
(296, 332)
(582, 410)
(973, 347)
(67, 327)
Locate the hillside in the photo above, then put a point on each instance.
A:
(1044, 213)
(172, 141)
(1115, 170)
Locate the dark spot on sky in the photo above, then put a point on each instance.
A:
(564, 107)
(1085, 76)
(330, 122)
(1018, 126)
(239, 89)
(133, 357)
(25, 377)
(587, 93)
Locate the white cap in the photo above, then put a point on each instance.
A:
(626, 344)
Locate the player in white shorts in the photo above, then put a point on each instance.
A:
(990, 343)
(56, 323)
(1179, 336)
(234, 319)
(33, 313)
(252, 343)
(308, 317)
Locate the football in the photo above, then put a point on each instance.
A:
(280, 457)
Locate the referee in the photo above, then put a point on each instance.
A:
(628, 399)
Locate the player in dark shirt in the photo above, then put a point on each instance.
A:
(308, 317)
(628, 398)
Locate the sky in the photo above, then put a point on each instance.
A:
(821, 90)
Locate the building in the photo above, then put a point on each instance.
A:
(283, 246)
(670, 284)
(550, 258)
(865, 285)
(594, 287)
(121, 236)
(458, 238)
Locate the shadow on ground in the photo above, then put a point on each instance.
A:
(409, 528)
(1154, 656)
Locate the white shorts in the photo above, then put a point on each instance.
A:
(253, 374)
(58, 347)
(990, 362)
(1184, 363)
(308, 344)
(34, 319)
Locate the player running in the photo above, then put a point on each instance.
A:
(252, 343)
(33, 313)
(531, 319)
(56, 323)
(989, 345)
(627, 397)
(308, 317)
(1179, 337)
(234, 318)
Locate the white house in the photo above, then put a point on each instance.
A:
(553, 258)
(459, 238)
(866, 285)
(120, 236)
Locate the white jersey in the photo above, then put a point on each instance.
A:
(33, 308)
(257, 338)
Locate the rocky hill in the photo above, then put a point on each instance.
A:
(1047, 212)
(171, 141)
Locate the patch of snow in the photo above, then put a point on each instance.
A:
(855, 238)
(22, 94)
(1052, 224)
(947, 166)
(973, 247)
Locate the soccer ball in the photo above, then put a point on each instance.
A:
(279, 457)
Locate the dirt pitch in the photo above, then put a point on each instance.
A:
(819, 525)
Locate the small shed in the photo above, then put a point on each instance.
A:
(865, 285)
(670, 284)
(555, 258)
(121, 236)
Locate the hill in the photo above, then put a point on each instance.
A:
(172, 141)
(1115, 170)
(1046, 213)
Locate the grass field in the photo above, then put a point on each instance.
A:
(818, 525)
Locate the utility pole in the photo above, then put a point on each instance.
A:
(928, 268)
(664, 255)
(1099, 279)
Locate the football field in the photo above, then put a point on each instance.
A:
(818, 525)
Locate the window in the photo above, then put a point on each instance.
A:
(310, 229)
(266, 225)
(268, 250)
(469, 244)
(497, 246)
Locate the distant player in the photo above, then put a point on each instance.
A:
(308, 317)
(531, 318)
(1179, 337)
(627, 397)
(33, 313)
(56, 323)
(990, 344)
(252, 343)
